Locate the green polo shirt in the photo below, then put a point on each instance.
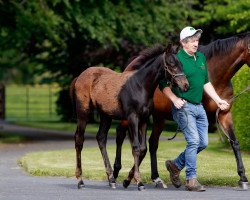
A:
(196, 74)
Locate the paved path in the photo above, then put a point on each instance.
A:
(17, 185)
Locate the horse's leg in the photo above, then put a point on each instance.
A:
(101, 138)
(227, 124)
(79, 139)
(120, 136)
(158, 125)
(143, 150)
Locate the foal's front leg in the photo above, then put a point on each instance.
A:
(139, 150)
(101, 138)
(158, 125)
(227, 124)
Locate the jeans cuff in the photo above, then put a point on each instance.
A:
(191, 177)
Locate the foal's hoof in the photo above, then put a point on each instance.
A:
(141, 187)
(243, 185)
(126, 183)
(80, 184)
(160, 183)
(112, 185)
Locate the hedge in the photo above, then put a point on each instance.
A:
(241, 107)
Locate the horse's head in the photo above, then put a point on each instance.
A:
(173, 68)
(247, 54)
(243, 44)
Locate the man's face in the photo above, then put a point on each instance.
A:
(191, 45)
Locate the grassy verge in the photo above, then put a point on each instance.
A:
(216, 165)
(92, 128)
(11, 138)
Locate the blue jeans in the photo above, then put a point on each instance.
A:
(192, 120)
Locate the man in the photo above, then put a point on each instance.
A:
(187, 109)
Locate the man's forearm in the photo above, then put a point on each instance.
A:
(168, 92)
(209, 89)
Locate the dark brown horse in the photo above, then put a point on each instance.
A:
(224, 58)
(127, 95)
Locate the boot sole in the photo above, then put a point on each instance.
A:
(195, 189)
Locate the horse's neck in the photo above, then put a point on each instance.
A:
(223, 67)
(149, 76)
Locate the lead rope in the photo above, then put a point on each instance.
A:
(219, 126)
(178, 127)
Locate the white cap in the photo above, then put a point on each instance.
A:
(188, 31)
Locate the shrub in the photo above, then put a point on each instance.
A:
(241, 108)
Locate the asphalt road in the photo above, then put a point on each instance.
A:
(17, 185)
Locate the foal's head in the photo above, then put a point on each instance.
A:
(173, 68)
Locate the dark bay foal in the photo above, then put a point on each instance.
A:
(127, 96)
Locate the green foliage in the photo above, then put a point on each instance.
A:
(64, 37)
(225, 16)
(58, 39)
(241, 108)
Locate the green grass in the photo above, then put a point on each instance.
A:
(216, 164)
(91, 128)
(31, 103)
(11, 138)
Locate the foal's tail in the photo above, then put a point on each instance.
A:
(73, 96)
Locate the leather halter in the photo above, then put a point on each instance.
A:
(173, 76)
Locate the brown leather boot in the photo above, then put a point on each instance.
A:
(174, 173)
(194, 185)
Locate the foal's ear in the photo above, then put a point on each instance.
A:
(169, 48)
(176, 48)
(172, 48)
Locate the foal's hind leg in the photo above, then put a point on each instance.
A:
(120, 136)
(226, 121)
(102, 142)
(79, 139)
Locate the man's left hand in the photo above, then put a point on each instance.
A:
(223, 105)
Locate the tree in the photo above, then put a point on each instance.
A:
(60, 38)
(223, 18)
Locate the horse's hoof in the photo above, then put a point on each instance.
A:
(112, 185)
(126, 183)
(141, 187)
(80, 184)
(160, 184)
(243, 185)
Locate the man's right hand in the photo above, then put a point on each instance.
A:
(178, 102)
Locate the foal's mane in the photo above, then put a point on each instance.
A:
(223, 46)
(148, 54)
